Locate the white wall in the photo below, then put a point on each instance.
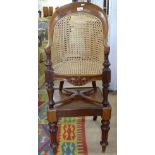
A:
(113, 42)
(98, 2)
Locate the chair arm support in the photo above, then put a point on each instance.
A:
(48, 62)
(47, 50)
(48, 69)
(106, 50)
(106, 63)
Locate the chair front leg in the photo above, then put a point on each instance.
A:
(105, 90)
(50, 91)
(106, 114)
(49, 77)
(105, 126)
(53, 129)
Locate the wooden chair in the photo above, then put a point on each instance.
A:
(77, 52)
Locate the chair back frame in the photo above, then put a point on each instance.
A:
(72, 8)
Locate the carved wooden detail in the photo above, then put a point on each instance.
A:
(49, 80)
(106, 77)
(50, 91)
(48, 62)
(78, 81)
(53, 129)
(62, 83)
(106, 63)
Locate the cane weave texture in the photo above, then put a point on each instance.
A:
(78, 45)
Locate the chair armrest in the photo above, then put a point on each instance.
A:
(106, 63)
(48, 56)
(106, 50)
(47, 50)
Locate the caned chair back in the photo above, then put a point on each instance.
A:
(78, 40)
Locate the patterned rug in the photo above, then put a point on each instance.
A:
(71, 135)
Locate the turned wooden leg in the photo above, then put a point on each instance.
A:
(105, 129)
(106, 114)
(105, 123)
(53, 129)
(105, 101)
(49, 77)
(50, 91)
(61, 85)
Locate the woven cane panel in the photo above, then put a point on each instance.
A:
(78, 45)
